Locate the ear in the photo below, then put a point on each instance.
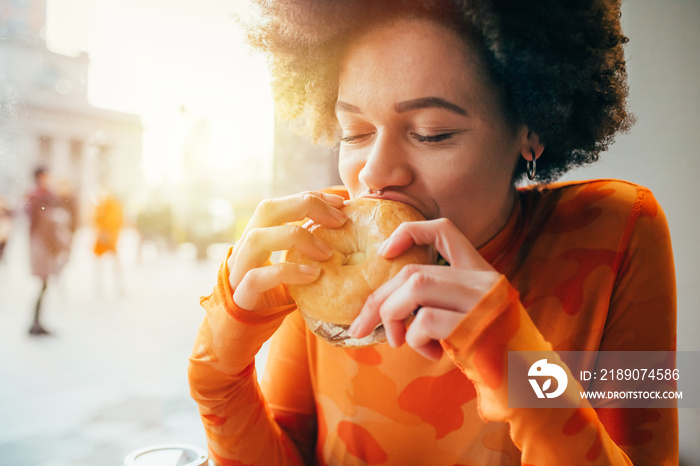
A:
(531, 146)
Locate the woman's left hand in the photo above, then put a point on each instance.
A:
(442, 294)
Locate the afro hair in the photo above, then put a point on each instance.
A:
(560, 65)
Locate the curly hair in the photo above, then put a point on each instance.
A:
(559, 65)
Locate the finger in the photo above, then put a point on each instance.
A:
(369, 317)
(452, 245)
(419, 286)
(443, 287)
(257, 245)
(286, 209)
(421, 291)
(431, 325)
(320, 207)
(432, 350)
(283, 237)
(248, 295)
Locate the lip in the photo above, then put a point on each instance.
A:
(395, 196)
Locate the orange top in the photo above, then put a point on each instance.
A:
(108, 222)
(586, 266)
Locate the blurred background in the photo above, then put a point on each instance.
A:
(155, 120)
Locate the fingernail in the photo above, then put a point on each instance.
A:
(339, 216)
(383, 248)
(334, 200)
(354, 326)
(323, 246)
(312, 270)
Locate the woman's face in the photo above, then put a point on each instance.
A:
(421, 122)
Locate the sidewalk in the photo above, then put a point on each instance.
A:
(112, 377)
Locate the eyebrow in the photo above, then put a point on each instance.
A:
(427, 102)
(408, 105)
(341, 106)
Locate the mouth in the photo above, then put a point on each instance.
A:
(394, 196)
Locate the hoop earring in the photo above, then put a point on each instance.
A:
(532, 167)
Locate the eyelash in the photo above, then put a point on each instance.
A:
(416, 136)
(352, 138)
(436, 138)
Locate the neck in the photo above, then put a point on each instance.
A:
(504, 210)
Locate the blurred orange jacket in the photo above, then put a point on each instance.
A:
(108, 221)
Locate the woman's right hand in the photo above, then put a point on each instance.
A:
(251, 273)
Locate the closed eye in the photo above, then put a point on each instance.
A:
(435, 138)
(354, 138)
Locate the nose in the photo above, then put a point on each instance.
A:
(386, 165)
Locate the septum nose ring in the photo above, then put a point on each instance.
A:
(377, 192)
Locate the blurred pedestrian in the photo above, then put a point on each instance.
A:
(69, 202)
(50, 237)
(108, 220)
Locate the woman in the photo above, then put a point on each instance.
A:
(51, 226)
(445, 107)
(108, 220)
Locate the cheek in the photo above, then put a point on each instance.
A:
(455, 184)
(349, 170)
(463, 181)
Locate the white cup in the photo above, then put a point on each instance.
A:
(167, 455)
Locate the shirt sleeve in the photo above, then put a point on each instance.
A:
(641, 316)
(287, 386)
(244, 424)
(240, 428)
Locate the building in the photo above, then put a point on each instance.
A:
(300, 165)
(45, 117)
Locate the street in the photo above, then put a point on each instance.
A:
(112, 376)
